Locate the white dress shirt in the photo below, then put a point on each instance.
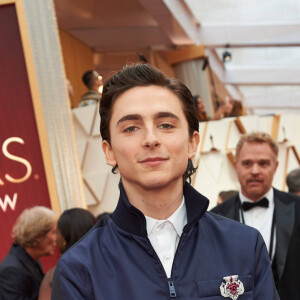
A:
(261, 218)
(164, 235)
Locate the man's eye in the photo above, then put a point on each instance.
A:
(131, 129)
(166, 126)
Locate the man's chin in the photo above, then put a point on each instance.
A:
(156, 183)
(254, 194)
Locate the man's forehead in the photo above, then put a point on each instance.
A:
(257, 145)
(256, 150)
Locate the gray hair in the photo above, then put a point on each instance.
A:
(32, 223)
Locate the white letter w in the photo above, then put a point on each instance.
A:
(8, 201)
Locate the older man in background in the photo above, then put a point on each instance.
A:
(274, 213)
(293, 181)
(34, 235)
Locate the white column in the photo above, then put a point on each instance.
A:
(47, 55)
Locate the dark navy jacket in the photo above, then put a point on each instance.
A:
(20, 275)
(117, 261)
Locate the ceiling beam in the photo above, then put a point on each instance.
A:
(273, 102)
(184, 17)
(249, 35)
(167, 22)
(237, 35)
(254, 76)
(185, 53)
(274, 76)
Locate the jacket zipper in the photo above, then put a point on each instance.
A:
(171, 283)
(172, 291)
(187, 227)
(171, 288)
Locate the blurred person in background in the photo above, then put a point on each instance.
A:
(72, 225)
(200, 108)
(92, 80)
(293, 181)
(274, 213)
(223, 110)
(34, 235)
(226, 195)
(238, 108)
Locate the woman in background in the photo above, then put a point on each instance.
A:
(72, 225)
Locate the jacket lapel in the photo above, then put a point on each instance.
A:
(233, 212)
(285, 218)
(29, 263)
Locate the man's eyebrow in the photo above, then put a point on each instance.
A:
(160, 115)
(129, 118)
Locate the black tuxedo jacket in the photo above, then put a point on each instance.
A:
(20, 276)
(287, 251)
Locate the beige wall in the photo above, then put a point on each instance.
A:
(78, 58)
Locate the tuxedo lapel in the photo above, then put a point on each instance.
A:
(29, 264)
(285, 218)
(229, 209)
(233, 212)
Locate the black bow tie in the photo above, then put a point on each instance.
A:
(264, 202)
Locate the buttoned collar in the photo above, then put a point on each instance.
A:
(178, 219)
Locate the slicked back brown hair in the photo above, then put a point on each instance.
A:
(143, 75)
(256, 137)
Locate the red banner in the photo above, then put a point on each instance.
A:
(22, 175)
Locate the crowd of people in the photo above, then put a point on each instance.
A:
(224, 109)
(35, 234)
(161, 242)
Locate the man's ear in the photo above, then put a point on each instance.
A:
(193, 144)
(38, 240)
(109, 154)
(276, 165)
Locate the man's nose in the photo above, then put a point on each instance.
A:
(255, 169)
(151, 139)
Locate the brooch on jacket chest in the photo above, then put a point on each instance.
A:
(232, 287)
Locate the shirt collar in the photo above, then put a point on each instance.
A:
(178, 219)
(269, 195)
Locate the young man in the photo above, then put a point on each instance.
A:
(275, 214)
(160, 242)
(92, 80)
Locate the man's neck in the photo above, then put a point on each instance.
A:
(32, 253)
(159, 204)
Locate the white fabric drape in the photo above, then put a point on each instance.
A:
(45, 44)
(191, 74)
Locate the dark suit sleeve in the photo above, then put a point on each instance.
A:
(56, 292)
(71, 282)
(14, 286)
(263, 280)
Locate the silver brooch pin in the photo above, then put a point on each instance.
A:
(232, 287)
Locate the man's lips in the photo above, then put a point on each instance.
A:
(254, 181)
(153, 161)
